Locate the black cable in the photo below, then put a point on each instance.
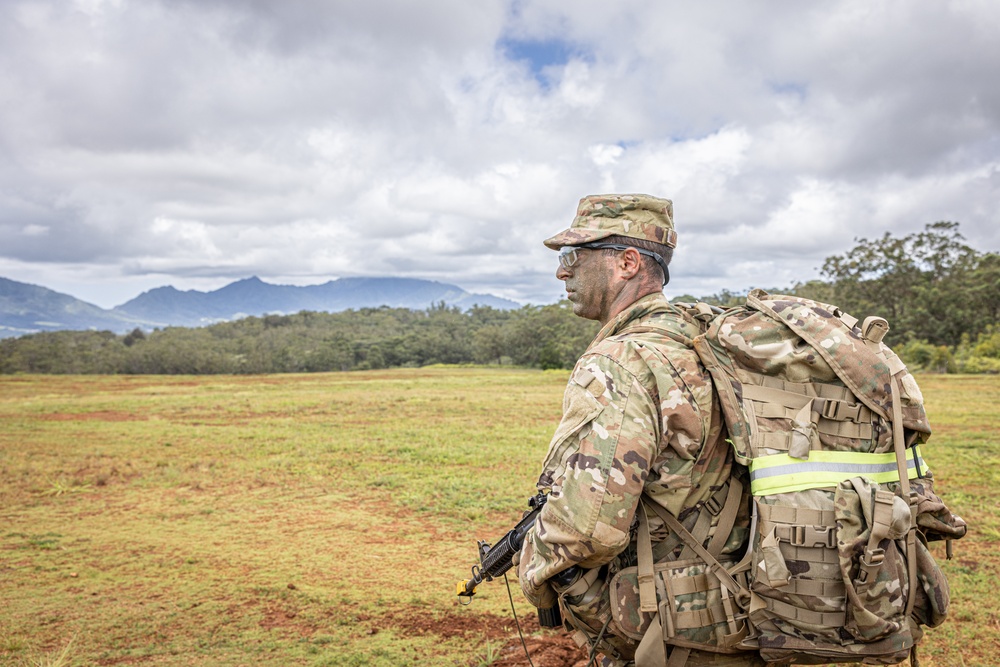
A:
(600, 636)
(517, 622)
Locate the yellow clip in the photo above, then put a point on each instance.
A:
(462, 590)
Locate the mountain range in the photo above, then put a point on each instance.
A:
(26, 308)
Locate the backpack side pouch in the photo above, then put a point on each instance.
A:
(695, 610)
(872, 523)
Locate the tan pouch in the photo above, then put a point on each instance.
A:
(695, 609)
(872, 522)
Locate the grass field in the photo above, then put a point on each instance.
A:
(325, 519)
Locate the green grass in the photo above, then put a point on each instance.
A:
(964, 454)
(324, 519)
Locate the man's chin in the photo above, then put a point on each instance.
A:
(580, 310)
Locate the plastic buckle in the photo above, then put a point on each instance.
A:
(812, 536)
(873, 558)
(840, 411)
(713, 505)
(830, 409)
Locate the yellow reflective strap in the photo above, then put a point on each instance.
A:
(780, 473)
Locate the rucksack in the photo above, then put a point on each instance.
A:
(829, 423)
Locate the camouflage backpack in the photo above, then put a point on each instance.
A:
(829, 423)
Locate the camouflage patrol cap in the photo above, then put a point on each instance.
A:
(637, 216)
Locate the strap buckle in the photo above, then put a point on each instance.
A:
(812, 536)
(714, 505)
(873, 558)
(839, 410)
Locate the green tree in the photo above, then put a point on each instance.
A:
(920, 283)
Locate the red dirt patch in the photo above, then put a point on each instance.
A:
(545, 651)
(413, 623)
(276, 618)
(548, 649)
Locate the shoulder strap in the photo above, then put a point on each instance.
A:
(644, 553)
(899, 444)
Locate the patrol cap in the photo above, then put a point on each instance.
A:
(636, 216)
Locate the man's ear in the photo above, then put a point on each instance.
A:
(630, 263)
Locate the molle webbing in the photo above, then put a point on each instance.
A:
(833, 409)
(803, 390)
(828, 589)
(781, 473)
(810, 616)
(671, 623)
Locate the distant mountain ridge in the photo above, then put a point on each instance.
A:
(26, 308)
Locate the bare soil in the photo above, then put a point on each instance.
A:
(547, 648)
(553, 651)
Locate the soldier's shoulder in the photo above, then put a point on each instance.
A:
(620, 350)
(671, 336)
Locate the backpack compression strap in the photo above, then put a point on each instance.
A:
(652, 651)
(898, 437)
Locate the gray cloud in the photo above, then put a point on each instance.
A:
(194, 143)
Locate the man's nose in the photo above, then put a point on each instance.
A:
(562, 273)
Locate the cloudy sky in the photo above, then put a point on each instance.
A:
(192, 143)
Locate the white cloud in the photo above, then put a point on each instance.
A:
(197, 142)
(35, 230)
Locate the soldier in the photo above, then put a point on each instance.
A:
(640, 420)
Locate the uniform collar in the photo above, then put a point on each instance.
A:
(640, 309)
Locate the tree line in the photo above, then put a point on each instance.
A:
(941, 297)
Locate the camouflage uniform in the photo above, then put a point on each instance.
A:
(639, 414)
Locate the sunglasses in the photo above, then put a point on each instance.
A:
(568, 255)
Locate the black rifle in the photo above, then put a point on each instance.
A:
(496, 560)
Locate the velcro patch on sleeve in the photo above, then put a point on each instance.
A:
(589, 381)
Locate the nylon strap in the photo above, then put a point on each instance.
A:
(824, 618)
(678, 656)
(881, 521)
(701, 528)
(810, 554)
(694, 583)
(651, 652)
(714, 566)
(832, 410)
(780, 440)
(796, 515)
(737, 631)
(781, 473)
(902, 456)
(819, 588)
(644, 564)
(790, 390)
(848, 319)
(700, 618)
(727, 518)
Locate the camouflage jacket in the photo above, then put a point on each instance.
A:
(639, 413)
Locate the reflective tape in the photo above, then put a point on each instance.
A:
(780, 473)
